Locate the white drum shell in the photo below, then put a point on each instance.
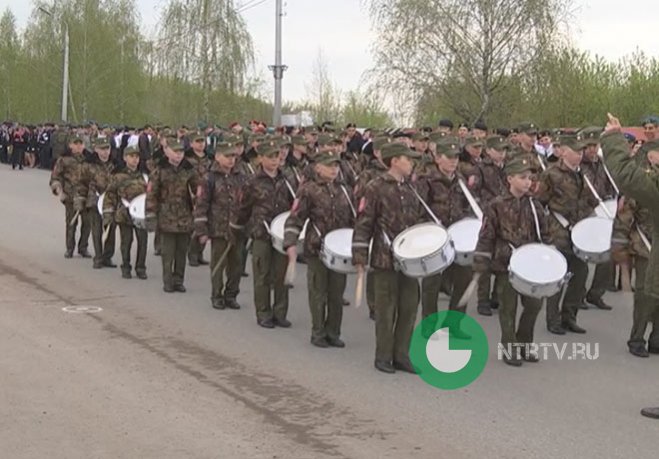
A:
(537, 270)
(591, 239)
(99, 203)
(433, 260)
(137, 211)
(336, 251)
(277, 233)
(611, 205)
(464, 235)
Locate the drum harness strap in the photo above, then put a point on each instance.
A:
(535, 219)
(644, 238)
(425, 206)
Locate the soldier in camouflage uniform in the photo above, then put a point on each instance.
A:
(563, 190)
(509, 219)
(297, 161)
(470, 160)
(217, 205)
(196, 155)
(64, 182)
(265, 196)
(490, 185)
(387, 208)
(125, 185)
(172, 187)
(328, 206)
(441, 191)
(525, 138)
(95, 178)
(593, 168)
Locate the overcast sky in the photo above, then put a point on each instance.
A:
(341, 29)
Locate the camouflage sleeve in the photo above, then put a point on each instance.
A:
(244, 207)
(299, 214)
(364, 225)
(622, 228)
(632, 179)
(546, 234)
(82, 186)
(544, 189)
(111, 197)
(424, 188)
(486, 241)
(56, 184)
(200, 211)
(153, 195)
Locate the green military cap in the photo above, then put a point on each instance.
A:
(497, 142)
(101, 142)
(392, 150)
(285, 140)
(175, 144)
(328, 139)
(225, 148)
(437, 136)
(591, 135)
(327, 159)
(131, 150)
(518, 165)
(380, 142)
(268, 148)
(75, 138)
(448, 146)
(527, 128)
(421, 136)
(298, 140)
(256, 138)
(474, 141)
(197, 136)
(575, 142)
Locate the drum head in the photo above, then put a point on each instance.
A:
(538, 263)
(420, 241)
(277, 225)
(137, 207)
(611, 205)
(99, 203)
(340, 242)
(465, 234)
(593, 235)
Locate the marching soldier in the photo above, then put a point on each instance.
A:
(196, 155)
(169, 206)
(217, 205)
(563, 190)
(297, 161)
(328, 206)
(245, 171)
(510, 219)
(125, 185)
(95, 178)
(64, 182)
(265, 196)
(471, 158)
(388, 207)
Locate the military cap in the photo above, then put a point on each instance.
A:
(448, 146)
(497, 142)
(131, 150)
(327, 139)
(474, 141)
(437, 136)
(197, 136)
(327, 159)
(380, 142)
(446, 123)
(392, 150)
(75, 138)
(504, 132)
(298, 140)
(175, 144)
(518, 165)
(463, 125)
(420, 136)
(591, 135)
(233, 140)
(631, 138)
(480, 125)
(225, 148)
(527, 128)
(575, 142)
(268, 148)
(256, 138)
(285, 140)
(101, 142)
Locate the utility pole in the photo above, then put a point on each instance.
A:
(278, 69)
(65, 70)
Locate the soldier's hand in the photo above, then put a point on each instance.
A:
(78, 205)
(203, 239)
(472, 181)
(62, 197)
(292, 253)
(360, 269)
(151, 224)
(107, 220)
(56, 189)
(613, 124)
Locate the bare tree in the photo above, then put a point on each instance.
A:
(324, 97)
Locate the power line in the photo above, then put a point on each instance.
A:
(250, 6)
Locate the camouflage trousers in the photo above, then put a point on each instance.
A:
(126, 233)
(576, 289)
(325, 289)
(370, 291)
(397, 301)
(196, 250)
(103, 253)
(85, 229)
(173, 249)
(457, 278)
(602, 278)
(230, 268)
(486, 292)
(646, 309)
(269, 271)
(508, 299)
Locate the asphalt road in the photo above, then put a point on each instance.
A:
(165, 376)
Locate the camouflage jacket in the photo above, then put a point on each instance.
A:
(67, 174)
(594, 170)
(387, 208)
(245, 166)
(508, 221)
(170, 195)
(94, 180)
(425, 165)
(565, 193)
(125, 184)
(294, 168)
(626, 239)
(202, 164)
(217, 202)
(492, 183)
(354, 163)
(263, 198)
(374, 169)
(326, 206)
(347, 174)
(445, 197)
(470, 169)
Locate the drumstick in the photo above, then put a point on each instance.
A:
(221, 260)
(290, 273)
(359, 289)
(625, 278)
(471, 289)
(106, 233)
(75, 217)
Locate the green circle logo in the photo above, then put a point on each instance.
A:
(449, 349)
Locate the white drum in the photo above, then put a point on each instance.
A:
(611, 205)
(464, 235)
(99, 203)
(591, 239)
(137, 210)
(537, 270)
(277, 233)
(423, 250)
(336, 251)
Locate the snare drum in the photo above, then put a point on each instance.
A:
(611, 205)
(137, 210)
(277, 233)
(537, 270)
(99, 203)
(464, 235)
(336, 252)
(423, 250)
(591, 239)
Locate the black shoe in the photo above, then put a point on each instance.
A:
(639, 350)
(336, 342)
(512, 361)
(266, 323)
(84, 254)
(573, 327)
(231, 303)
(218, 303)
(650, 413)
(320, 342)
(193, 263)
(530, 357)
(653, 350)
(203, 262)
(68, 254)
(384, 366)
(109, 264)
(583, 306)
(98, 265)
(126, 275)
(556, 329)
(168, 289)
(346, 302)
(494, 304)
(283, 323)
(180, 288)
(371, 315)
(244, 275)
(157, 253)
(484, 309)
(141, 275)
(599, 302)
(405, 366)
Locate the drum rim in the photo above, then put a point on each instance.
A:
(419, 225)
(544, 247)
